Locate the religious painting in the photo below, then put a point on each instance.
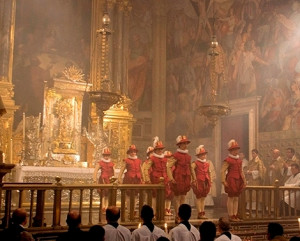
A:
(258, 55)
(140, 59)
(50, 35)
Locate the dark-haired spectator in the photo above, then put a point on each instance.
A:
(16, 230)
(207, 231)
(295, 238)
(224, 230)
(148, 231)
(113, 230)
(96, 233)
(74, 232)
(166, 239)
(184, 231)
(275, 232)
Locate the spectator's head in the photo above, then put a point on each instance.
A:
(295, 238)
(290, 152)
(207, 231)
(184, 212)
(276, 153)
(112, 214)
(147, 213)
(19, 216)
(96, 233)
(294, 168)
(223, 225)
(254, 153)
(161, 238)
(73, 219)
(274, 229)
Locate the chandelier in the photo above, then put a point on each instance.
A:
(213, 109)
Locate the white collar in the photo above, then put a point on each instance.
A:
(109, 160)
(159, 156)
(183, 151)
(132, 157)
(204, 160)
(234, 157)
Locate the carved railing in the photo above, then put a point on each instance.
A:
(267, 202)
(34, 197)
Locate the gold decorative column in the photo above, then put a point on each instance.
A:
(7, 28)
(62, 118)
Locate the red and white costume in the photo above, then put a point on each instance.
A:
(233, 179)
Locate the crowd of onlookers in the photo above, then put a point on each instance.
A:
(147, 231)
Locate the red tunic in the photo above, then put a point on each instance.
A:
(202, 188)
(182, 173)
(133, 174)
(107, 171)
(159, 169)
(234, 177)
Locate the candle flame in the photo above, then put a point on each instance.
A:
(139, 225)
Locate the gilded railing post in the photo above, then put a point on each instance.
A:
(160, 208)
(276, 199)
(113, 196)
(57, 203)
(123, 204)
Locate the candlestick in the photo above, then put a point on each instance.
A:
(11, 152)
(166, 228)
(24, 126)
(38, 127)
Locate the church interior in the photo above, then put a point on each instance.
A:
(79, 76)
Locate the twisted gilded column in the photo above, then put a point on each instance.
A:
(7, 29)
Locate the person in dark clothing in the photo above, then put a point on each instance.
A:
(96, 233)
(207, 231)
(74, 232)
(16, 230)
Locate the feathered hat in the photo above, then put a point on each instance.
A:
(232, 144)
(157, 144)
(168, 154)
(200, 150)
(182, 139)
(149, 150)
(132, 148)
(106, 151)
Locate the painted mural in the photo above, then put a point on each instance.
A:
(49, 36)
(259, 53)
(140, 58)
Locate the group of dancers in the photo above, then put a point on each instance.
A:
(179, 172)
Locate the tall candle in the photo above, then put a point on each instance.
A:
(166, 228)
(299, 222)
(139, 225)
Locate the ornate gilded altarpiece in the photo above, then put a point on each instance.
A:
(62, 121)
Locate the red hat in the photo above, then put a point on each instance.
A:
(106, 151)
(182, 139)
(168, 154)
(200, 150)
(149, 149)
(132, 148)
(232, 144)
(157, 144)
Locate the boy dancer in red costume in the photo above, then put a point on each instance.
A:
(180, 176)
(234, 181)
(201, 179)
(106, 166)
